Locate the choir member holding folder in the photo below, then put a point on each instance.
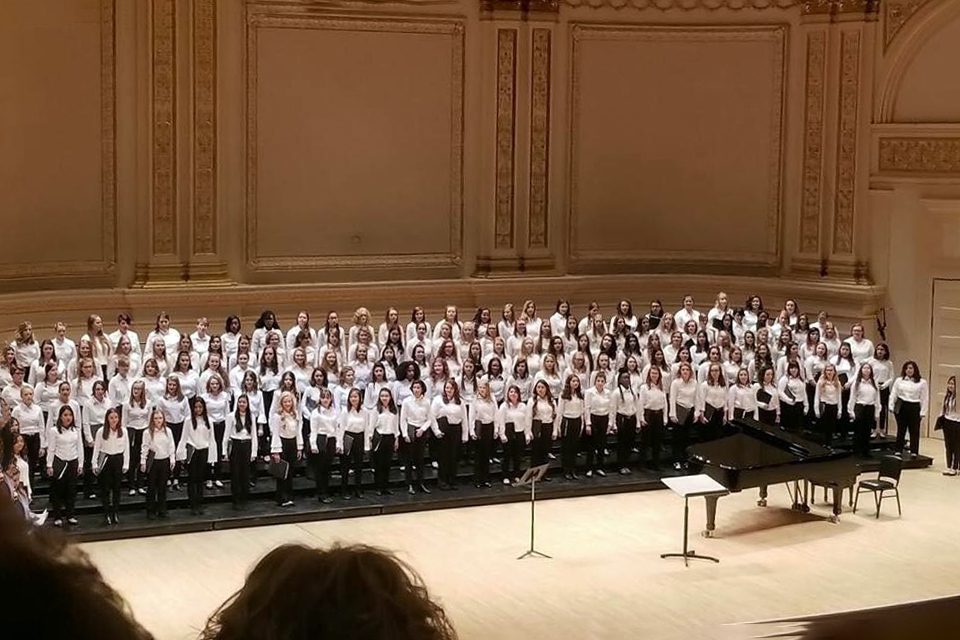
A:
(450, 419)
(111, 454)
(572, 415)
(416, 419)
(157, 460)
(384, 439)
(351, 438)
(286, 445)
(64, 445)
(198, 450)
(323, 442)
(483, 416)
(239, 447)
(515, 432)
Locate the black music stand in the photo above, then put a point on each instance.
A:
(531, 477)
(691, 487)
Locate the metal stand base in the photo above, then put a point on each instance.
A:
(533, 553)
(687, 555)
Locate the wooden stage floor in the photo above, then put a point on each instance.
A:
(606, 579)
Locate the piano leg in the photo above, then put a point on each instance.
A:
(762, 502)
(837, 502)
(711, 502)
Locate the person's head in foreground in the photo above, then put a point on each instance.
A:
(345, 592)
(50, 589)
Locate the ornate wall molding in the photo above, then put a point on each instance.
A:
(811, 200)
(685, 5)
(163, 138)
(896, 14)
(204, 127)
(928, 155)
(539, 139)
(293, 17)
(844, 205)
(505, 135)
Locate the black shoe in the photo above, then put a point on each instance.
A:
(574, 476)
(347, 496)
(357, 493)
(423, 488)
(411, 490)
(107, 520)
(487, 485)
(116, 518)
(162, 515)
(443, 486)
(454, 487)
(326, 499)
(151, 515)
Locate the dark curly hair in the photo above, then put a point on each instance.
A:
(345, 592)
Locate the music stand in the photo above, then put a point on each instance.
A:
(691, 487)
(530, 477)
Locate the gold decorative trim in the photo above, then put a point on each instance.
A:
(204, 127)
(839, 7)
(539, 139)
(581, 32)
(920, 155)
(521, 6)
(896, 14)
(164, 235)
(506, 127)
(303, 18)
(685, 5)
(846, 180)
(811, 203)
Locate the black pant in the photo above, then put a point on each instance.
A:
(449, 451)
(157, 477)
(288, 452)
(110, 477)
(382, 459)
(484, 449)
(681, 436)
(240, 471)
(63, 490)
(828, 421)
(908, 420)
(353, 459)
(570, 430)
(542, 440)
(32, 441)
(884, 405)
(89, 479)
(791, 417)
(951, 443)
(196, 476)
(597, 441)
(176, 428)
(651, 436)
(864, 421)
(767, 416)
(513, 452)
(712, 428)
(218, 429)
(413, 458)
(626, 438)
(323, 463)
(134, 477)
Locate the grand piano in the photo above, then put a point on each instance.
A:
(759, 455)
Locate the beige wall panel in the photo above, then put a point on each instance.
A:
(929, 90)
(672, 155)
(357, 140)
(50, 146)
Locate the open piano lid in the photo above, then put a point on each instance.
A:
(759, 445)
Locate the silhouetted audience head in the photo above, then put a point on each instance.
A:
(50, 589)
(345, 592)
